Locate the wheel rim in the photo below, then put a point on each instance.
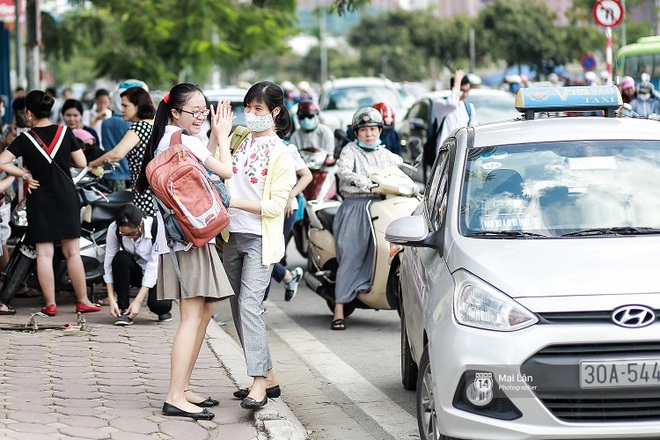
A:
(427, 405)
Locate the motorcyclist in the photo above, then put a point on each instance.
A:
(351, 225)
(312, 133)
(389, 136)
(646, 102)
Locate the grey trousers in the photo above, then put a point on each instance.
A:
(249, 279)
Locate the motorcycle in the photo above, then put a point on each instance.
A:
(399, 199)
(98, 205)
(323, 186)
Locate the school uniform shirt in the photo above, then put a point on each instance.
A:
(143, 250)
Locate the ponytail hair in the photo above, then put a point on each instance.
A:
(272, 95)
(176, 98)
(39, 103)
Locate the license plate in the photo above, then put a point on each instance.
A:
(620, 373)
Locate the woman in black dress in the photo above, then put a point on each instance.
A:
(53, 206)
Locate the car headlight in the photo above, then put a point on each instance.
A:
(477, 304)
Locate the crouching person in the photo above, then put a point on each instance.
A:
(131, 259)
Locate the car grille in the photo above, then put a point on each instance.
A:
(599, 317)
(556, 376)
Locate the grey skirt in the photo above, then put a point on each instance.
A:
(202, 273)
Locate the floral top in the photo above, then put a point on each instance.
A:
(250, 168)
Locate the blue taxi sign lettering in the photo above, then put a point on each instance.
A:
(577, 99)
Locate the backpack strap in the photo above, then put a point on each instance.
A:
(237, 137)
(176, 138)
(166, 212)
(468, 108)
(154, 230)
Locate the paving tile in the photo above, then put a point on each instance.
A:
(87, 433)
(84, 421)
(136, 425)
(188, 429)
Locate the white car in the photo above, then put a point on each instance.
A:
(340, 98)
(529, 291)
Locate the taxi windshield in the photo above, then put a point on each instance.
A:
(562, 189)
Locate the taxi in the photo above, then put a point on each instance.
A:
(530, 276)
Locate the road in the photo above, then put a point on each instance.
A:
(339, 384)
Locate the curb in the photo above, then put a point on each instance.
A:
(274, 421)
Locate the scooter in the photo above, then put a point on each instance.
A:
(97, 212)
(399, 200)
(323, 186)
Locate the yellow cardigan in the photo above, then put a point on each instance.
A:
(280, 180)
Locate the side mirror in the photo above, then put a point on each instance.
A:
(412, 231)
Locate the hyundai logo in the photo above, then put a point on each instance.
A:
(633, 316)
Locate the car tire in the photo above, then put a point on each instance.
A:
(409, 371)
(427, 418)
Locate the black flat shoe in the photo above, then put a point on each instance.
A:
(272, 393)
(250, 403)
(208, 403)
(173, 411)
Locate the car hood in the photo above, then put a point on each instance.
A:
(561, 267)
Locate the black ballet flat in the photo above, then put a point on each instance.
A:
(208, 403)
(250, 403)
(173, 411)
(272, 393)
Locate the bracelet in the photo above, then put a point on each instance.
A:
(25, 176)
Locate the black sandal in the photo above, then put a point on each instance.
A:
(338, 324)
(10, 310)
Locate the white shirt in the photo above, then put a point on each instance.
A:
(144, 250)
(454, 113)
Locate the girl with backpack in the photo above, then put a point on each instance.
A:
(203, 279)
(131, 260)
(263, 176)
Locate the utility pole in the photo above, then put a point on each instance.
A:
(324, 48)
(19, 46)
(33, 44)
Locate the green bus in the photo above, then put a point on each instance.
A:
(641, 57)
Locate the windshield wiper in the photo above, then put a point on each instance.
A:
(505, 233)
(616, 230)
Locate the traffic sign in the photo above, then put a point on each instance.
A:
(588, 62)
(608, 13)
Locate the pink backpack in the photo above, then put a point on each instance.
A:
(182, 187)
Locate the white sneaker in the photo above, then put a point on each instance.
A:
(291, 286)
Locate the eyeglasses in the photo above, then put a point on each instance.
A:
(198, 114)
(135, 233)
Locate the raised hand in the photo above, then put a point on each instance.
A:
(222, 119)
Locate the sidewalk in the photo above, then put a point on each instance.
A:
(95, 380)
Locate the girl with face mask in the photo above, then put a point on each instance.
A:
(263, 176)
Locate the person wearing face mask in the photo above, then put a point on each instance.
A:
(353, 239)
(646, 102)
(263, 176)
(312, 133)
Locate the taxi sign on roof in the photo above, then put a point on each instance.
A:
(576, 98)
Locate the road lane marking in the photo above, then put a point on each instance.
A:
(373, 402)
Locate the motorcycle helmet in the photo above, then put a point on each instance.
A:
(366, 117)
(121, 88)
(307, 109)
(387, 112)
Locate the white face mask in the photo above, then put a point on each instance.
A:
(259, 123)
(2, 112)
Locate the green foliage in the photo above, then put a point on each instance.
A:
(167, 41)
(521, 33)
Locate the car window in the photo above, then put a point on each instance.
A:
(438, 186)
(351, 98)
(559, 188)
(492, 108)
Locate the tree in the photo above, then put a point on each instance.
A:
(166, 41)
(521, 34)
